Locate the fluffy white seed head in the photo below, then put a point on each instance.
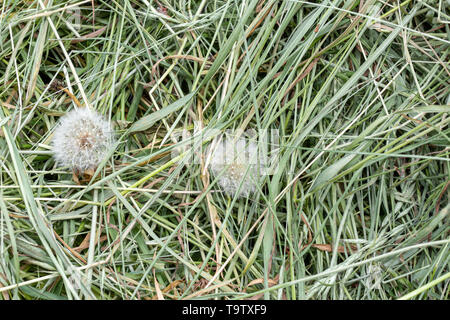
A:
(237, 164)
(82, 139)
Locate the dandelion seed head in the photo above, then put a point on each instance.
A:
(82, 139)
(237, 165)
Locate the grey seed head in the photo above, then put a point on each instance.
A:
(82, 139)
(237, 166)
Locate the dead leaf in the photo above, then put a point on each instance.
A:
(329, 248)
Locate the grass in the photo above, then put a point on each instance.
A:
(357, 91)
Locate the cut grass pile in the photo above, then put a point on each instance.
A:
(357, 208)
